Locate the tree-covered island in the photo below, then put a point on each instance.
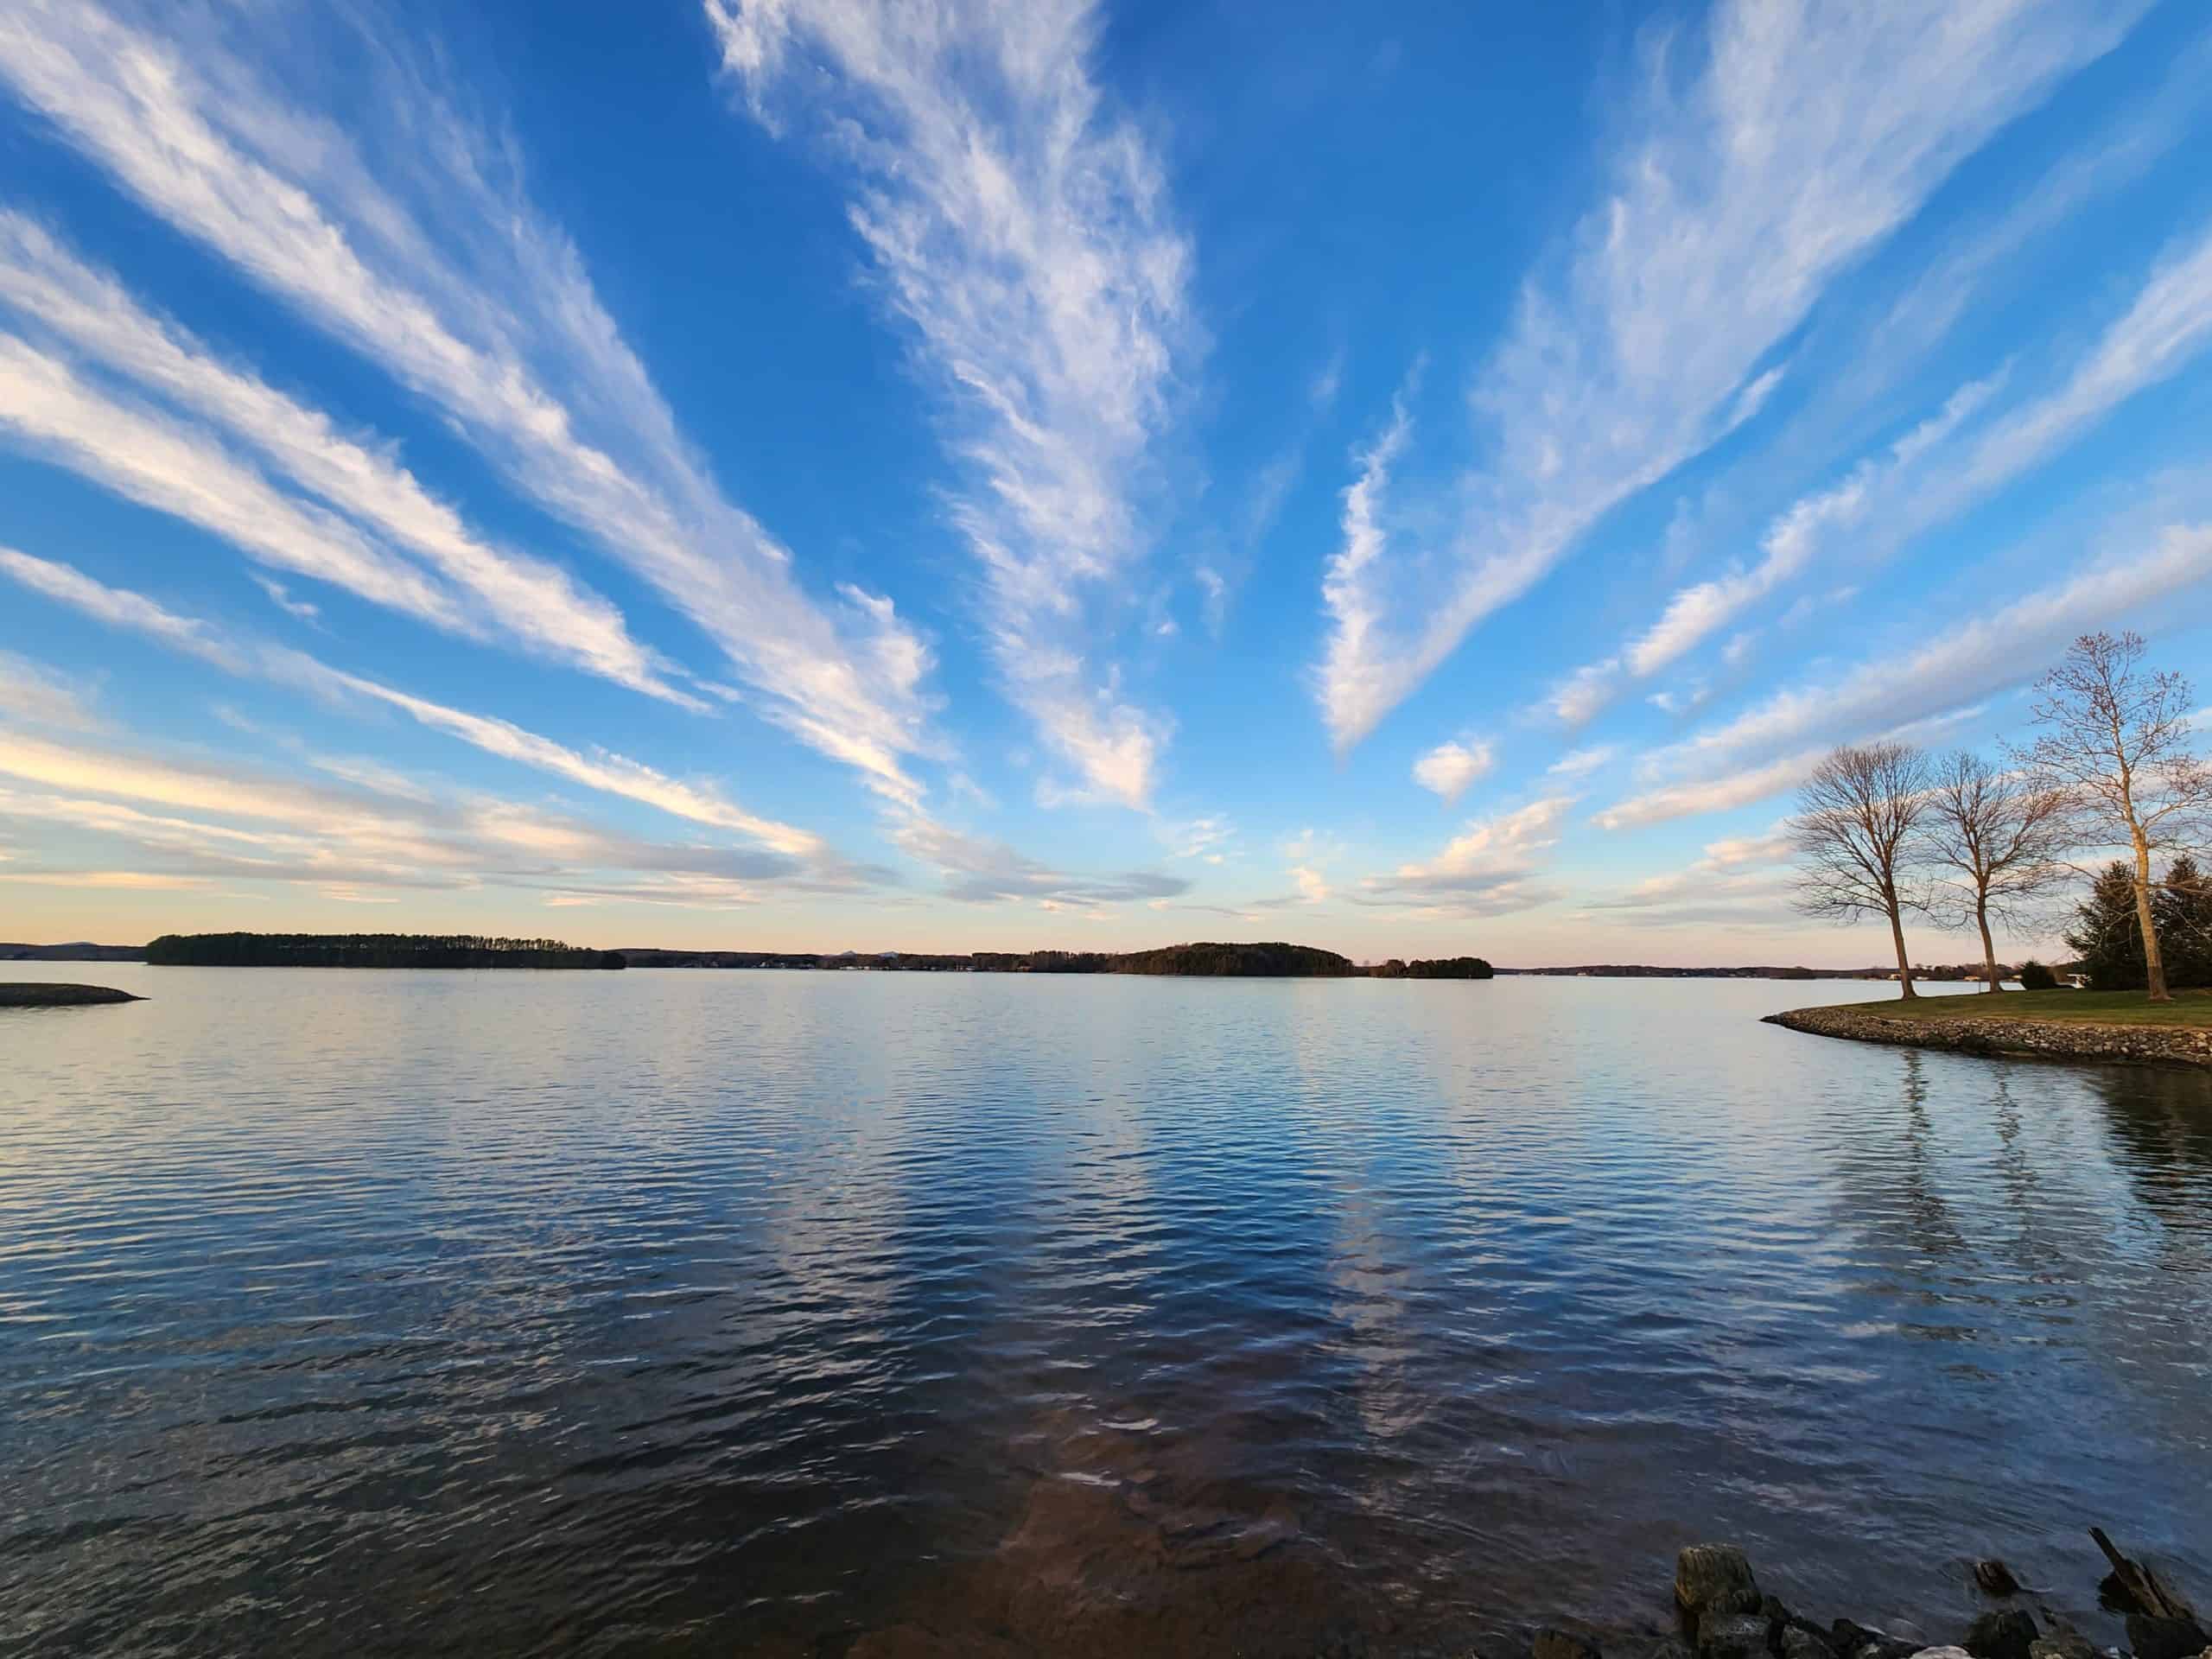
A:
(370, 950)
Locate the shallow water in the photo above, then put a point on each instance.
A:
(798, 1314)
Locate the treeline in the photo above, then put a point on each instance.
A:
(1441, 968)
(1205, 960)
(1226, 961)
(1884, 830)
(370, 950)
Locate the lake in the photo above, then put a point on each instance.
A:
(796, 1313)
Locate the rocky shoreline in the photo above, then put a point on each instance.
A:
(1724, 1615)
(2043, 1039)
(47, 994)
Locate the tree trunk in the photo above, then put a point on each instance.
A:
(2154, 966)
(1904, 962)
(1988, 949)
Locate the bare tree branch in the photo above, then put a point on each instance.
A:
(2116, 739)
(2003, 836)
(1858, 833)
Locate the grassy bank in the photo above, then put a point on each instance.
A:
(2191, 1010)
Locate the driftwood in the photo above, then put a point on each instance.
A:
(2137, 1586)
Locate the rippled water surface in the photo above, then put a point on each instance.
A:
(899, 1314)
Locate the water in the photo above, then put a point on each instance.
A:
(359, 1312)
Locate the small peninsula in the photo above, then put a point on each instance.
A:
(2061, 1024)
(48, 994)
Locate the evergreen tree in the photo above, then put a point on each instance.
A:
(2182, 906)
(2105, 935)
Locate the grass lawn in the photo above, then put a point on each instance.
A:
(2081, 1008)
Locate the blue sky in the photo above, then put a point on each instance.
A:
(801, 474)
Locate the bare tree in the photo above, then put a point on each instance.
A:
(2116, 738)
(2004, 834)
(1857, 833)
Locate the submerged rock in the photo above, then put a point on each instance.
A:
(1563, 1644)
(2008, 1634)
(2166, 1638)
(1800, 1642)
(1995, 1579)
(1860, 1641)
(1715, 1579)
(1734, 1636)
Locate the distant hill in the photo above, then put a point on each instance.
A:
(78, 950)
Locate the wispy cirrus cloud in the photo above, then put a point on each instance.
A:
(1966, 661)
(1802, 138)
(440, 271)
(611, 773)
(31, 691)
(979, 870)
(1795, 539)
(120, 608)
(1913, 693)
(1922, 479)
(530, 601)
(1022, 230)
(1717, 794)
(183, 821)
(143, 453)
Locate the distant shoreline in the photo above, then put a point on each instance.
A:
(1019, 961)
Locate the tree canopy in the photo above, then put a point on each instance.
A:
(370, 950)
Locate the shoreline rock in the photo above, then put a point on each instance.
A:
(2037, 1039)
(47, 994)
(1718, 1606)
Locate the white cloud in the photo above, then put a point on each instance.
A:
(1356, 684)
(611, 773)
(1710, 795)
(281, 597)
(1487, 869)
(536, 602)
(1022, 230)
(1448, 768)
(1578, 763)
(213, 820)
(120, 608)
(1583, 693)
(982, 871)
(166, 465)
(1916, 483)
(1806, 135)
(1794, 539)
(1912, 695)
(442, 273)
(31, 691)
(1198, 837)
(1966, 660)
(2168, 324)
(1313, 886)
